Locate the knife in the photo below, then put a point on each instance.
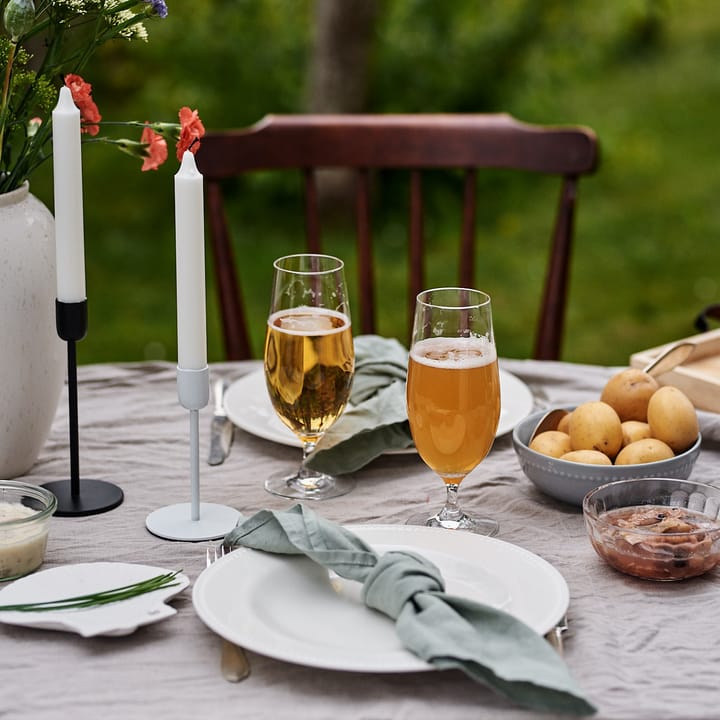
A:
(221, 428)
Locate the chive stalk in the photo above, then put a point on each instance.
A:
(98, 599)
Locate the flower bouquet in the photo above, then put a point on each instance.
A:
(47, 43)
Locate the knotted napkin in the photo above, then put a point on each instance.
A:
(376, 417)
(488, 644)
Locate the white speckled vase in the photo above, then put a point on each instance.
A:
(32, 356)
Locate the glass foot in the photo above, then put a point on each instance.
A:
(479, 526)
(308, 486)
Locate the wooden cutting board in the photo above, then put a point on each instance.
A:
(699, 376)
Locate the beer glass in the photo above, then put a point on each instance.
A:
(309, 363)
(453, 394)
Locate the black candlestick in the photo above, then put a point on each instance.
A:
(75, 496)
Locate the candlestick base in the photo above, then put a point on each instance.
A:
(95, 497)
(174, 522)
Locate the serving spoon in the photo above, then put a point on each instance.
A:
(670, 358)
(549, 421)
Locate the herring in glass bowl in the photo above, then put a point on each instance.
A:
(655, 528)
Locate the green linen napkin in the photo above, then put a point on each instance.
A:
(488, 644)
(376, 417)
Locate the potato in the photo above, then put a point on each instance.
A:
(644, 451)
(589, 457)
(672, 418)
(633, 430)
(564, 424)
(552, 443)
(628, 393)
(596, 426)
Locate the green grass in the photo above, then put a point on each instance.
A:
(646, 256)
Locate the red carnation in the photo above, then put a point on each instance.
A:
(191, 129)
(81, 95)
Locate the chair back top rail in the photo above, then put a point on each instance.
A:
(401, 141)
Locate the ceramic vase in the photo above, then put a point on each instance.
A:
(32, 356)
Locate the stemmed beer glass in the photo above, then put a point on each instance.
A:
(453, 394)
(309, 363)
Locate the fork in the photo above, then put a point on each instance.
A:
(234, 664)
(555, 636)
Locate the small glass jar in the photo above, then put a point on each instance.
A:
(25, 512)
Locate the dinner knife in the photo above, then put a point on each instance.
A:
(221, 428)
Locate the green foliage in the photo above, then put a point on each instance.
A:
(454, 61)
(644, 75)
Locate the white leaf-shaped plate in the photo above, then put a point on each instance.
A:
(118, 618)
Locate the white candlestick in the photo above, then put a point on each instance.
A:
(67, 176)
(190, 265)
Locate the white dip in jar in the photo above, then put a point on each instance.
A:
(22, 544)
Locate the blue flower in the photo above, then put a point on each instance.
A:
(159, 7)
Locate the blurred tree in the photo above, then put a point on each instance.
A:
(339, 63)
(337, 76)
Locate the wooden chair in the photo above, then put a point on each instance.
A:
(365, 143)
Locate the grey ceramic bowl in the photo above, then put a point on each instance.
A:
(571, 481)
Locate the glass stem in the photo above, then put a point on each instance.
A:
(451, 510)
(308, 447)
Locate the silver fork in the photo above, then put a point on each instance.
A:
(555, 636)
(234, 664)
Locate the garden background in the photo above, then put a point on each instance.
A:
(644, 75)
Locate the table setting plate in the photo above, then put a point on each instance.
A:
(117, 618)
(248, 406)
(292, 609)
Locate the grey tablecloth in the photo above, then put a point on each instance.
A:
(639, 650)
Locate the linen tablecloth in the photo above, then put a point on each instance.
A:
(638, 649)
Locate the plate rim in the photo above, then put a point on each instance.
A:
(399, 661)
(253, 427)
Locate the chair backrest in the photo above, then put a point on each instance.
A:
(364, 143)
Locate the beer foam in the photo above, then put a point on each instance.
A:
(454, 352)
(309, 321)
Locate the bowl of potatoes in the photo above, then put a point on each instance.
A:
(635, 429)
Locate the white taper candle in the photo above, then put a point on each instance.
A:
(67, 180)
(190, 265)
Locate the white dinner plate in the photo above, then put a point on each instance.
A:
(248, 406)
(118, 618)
(290, 608)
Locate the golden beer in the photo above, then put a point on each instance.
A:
(309, 360)
(453, 397)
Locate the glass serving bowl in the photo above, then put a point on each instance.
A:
(655, 528)
(25, 512)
